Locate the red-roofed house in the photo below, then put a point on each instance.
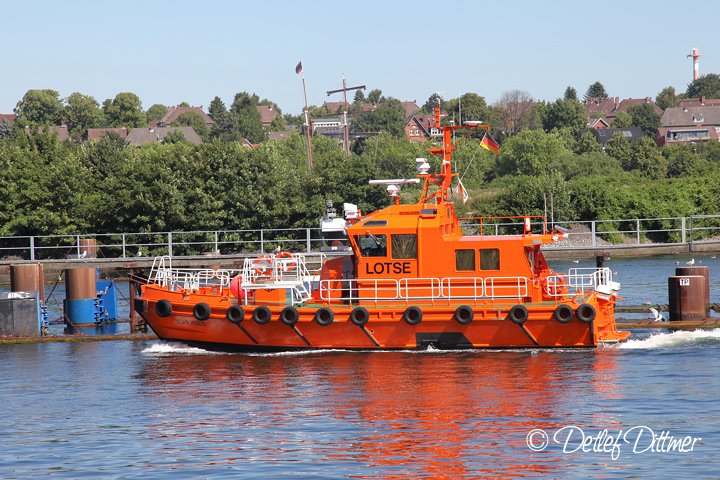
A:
(699, 102)
(410, 107)
(96, 133)
(609, 107)
(267, 114)
(7, 117)
(419, 128)
(61, 131)
(175, 112)
(689, 124)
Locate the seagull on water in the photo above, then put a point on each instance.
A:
(576, 261)
(691, 262)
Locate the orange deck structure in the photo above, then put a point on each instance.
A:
(409, 277)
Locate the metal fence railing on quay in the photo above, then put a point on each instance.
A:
(677, 230)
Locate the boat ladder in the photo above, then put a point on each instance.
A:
(300, 294)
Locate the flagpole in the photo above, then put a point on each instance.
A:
(307, 126)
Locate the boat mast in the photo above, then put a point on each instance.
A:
(444, 179)
(345, 113)
(307, 124)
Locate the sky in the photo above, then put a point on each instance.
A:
(191, 51)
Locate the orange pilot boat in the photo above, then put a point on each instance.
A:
(404, 277)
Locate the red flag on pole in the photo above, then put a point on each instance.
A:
(298, 69)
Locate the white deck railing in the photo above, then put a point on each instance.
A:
(291, 272)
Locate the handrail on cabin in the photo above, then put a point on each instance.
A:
(526, 219)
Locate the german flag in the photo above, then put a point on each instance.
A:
(490, 144)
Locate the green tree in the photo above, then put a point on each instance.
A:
(359, 96)
(375, 95)
(217, 108)
(622, 120)
(570, 94)
(531, 152)
(472, 107)
(6, 130)
(532, 119)
(645, 117)
(246, 118)
(588, 143)
(193, 119)
(565, 113)
(39, 106)
(596, 90)
(667, 98)
(156, 112)
(683, 160)
(81, 112)
(707, 86)
(174, 136)
(432, 103)
(388, 117)
(125, 111)
(618, 147)
(645, 158)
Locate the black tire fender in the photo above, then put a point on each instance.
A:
(261, 315)
(359, 316)
(235, 314)
(585, 313)
(163, 308)
(518, 314)
(412, 315)
(563, 313)
(202, 311)
(289, 316)
(324, 316)
(464, 315)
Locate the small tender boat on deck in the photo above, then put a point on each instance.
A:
(404, 277)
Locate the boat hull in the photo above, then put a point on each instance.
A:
(386, 327)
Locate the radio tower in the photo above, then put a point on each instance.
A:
(696, 68)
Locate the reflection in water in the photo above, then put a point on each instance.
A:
(428, 414)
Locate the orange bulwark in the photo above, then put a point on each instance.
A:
(405, 277)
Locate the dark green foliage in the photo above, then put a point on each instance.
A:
(174, 136)
(596, 90)
(588, 143)
(80, 113)
(565, 113)
(156, 112)
(622, 120)
(471, 107)
(645, 117)
(194, 120)
(216, 109)
(242, 121)
(53, 187)
(570, 94)
(388, 117)
(125, 110)
(667, 98)
(39, 106)
(707, 86)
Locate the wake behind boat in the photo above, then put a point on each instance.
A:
(407, 277)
